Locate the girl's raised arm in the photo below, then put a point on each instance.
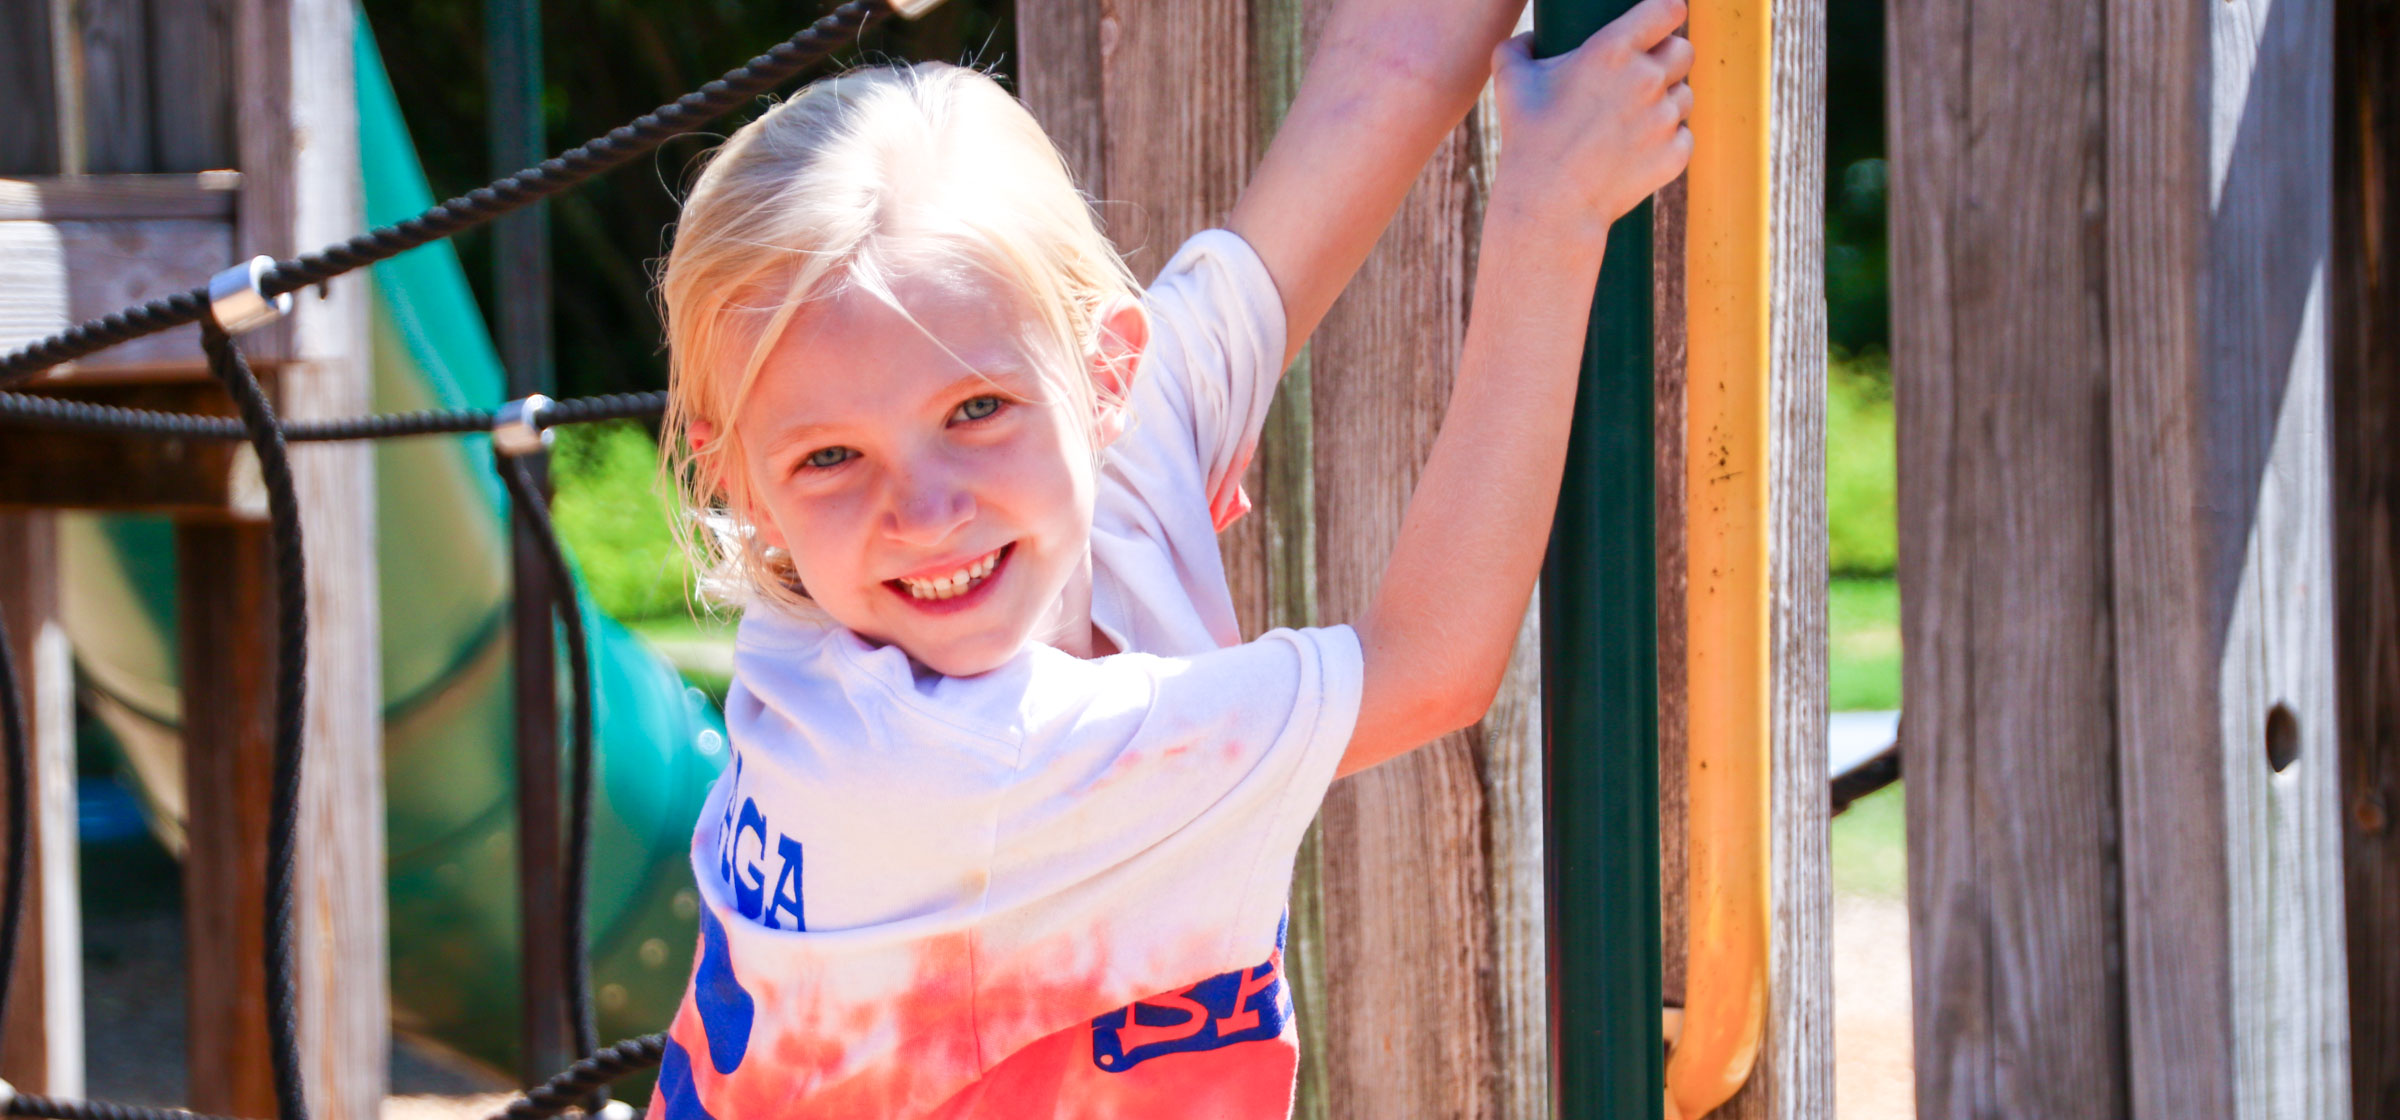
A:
(1389, 79)
(1588, 135)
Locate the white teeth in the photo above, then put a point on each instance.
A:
(954, 584)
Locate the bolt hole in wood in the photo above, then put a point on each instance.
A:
(2283, 738)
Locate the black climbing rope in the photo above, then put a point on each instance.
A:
(569, 168)
(577, 1084)
(569, 1089)
(291, 693)
(528, 497)
(61, 1108)
(30, 410)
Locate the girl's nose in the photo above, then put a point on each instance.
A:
(925, 507)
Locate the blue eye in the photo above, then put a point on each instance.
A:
(828, 457)
(976, 409)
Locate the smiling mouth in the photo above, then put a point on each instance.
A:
(965, 579)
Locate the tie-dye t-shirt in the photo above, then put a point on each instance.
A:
(1051, 890)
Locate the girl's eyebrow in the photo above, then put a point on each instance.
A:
(805, 433)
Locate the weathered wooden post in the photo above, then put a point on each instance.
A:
(41, 1041)
(192, 135)
(1417, 947)
(2364, 284)
(1417, 957)
(2109, 261)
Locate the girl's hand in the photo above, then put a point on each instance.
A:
(1587, 135)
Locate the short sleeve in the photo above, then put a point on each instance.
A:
(1150, 833)
(1216, 354)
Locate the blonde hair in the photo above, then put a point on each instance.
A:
(857, 180)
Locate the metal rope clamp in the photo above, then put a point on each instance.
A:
(911, 9)
(238, 300)
(517, 429)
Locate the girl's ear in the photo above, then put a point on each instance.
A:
(700, 434)
(1124, 335)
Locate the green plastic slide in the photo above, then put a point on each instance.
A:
(449, 759)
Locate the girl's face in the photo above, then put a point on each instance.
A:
(932, 488)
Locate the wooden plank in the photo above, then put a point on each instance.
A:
(66, 272)
(1058, 76)
(1177, 147)
(1406, 1015)
(211, 480)
(2224, 625)
(191, 74)
(1407, 916)
(1674, 728)
(1509, 764)
(29, 85)
(58, 198)
(2364, 304)
(265, 76)
(2001, 376)
(2262, 443)
(113, 44)
(1793, 1077)
(297, 147)
(225, 580)
(41, 1043)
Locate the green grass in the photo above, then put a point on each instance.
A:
(1861, 464)
(1870, 845)
(1870, 839)
(1863, 624)
(615, 521)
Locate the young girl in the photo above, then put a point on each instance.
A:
(1012, 810)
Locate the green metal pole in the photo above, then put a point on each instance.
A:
(1600, 689)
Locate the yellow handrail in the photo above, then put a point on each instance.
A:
(1726, 275)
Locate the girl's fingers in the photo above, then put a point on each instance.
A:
(1674, 54)
(1680, 95)
(1648, 22)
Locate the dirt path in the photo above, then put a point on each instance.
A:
(1872, 1077)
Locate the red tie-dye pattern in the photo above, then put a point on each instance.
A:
(1229, 501)
(917, 1053)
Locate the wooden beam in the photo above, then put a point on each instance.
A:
(2001, 383)
(1668, 352)
(63, 198)
(213, 480)
(65, 272)
(29, 86)
(41, 1043)
(112, 43)
(2116, 556)
(1163, 109)
(296, 136)
(225, 580)
(191, 115)
(2224, 626)
(2364, 285)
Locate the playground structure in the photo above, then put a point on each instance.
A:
(2119, 522)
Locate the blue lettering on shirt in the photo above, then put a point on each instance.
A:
(787, 886)
(750, 880)
(725, 1006)
(676, 1098)
(745, 848)
(1244, 1005)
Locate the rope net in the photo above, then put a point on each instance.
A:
(584, 1084)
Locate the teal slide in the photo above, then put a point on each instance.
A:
(449, 759)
